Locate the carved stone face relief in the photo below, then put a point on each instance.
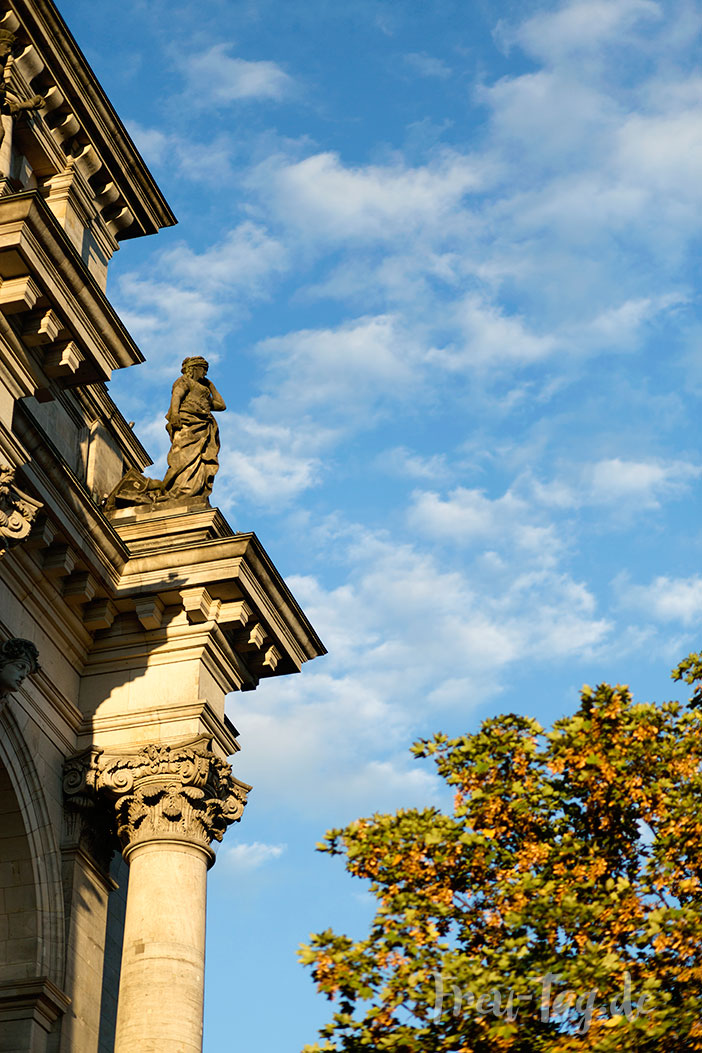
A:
(18, 659)
(12, 675)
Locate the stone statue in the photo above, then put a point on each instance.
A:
(193, 457)
(10, 104)
(18, 659)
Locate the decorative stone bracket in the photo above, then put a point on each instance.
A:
(66, 324)
(181, 792)
(244, 631)
(17, 510)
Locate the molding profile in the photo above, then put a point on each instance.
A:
(79, 123)
(64, 321)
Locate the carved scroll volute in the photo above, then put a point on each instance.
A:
(89, 821)
(182, 793)
(80, 778)
(17, 510)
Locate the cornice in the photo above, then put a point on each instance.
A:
(33, 244)
(239, 557)
(40, 997)
(222, 569)
(89, 116)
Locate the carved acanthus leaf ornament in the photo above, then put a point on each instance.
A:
(17, 510)
(180, 792)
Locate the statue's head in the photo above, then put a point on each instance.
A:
(194, 366)
(18, 658)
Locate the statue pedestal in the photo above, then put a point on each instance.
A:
(198, 611)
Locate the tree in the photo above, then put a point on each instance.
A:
(556, 908)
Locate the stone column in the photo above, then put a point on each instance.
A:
(170, 803)
(163, 960)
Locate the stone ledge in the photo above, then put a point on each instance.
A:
(80, 113)
(71, 304)
(37, 999)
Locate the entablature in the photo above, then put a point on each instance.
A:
(218, 601)
(191, 559)
(79, 128)
(61, 316)
(189, 572)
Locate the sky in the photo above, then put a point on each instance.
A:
(443, 260)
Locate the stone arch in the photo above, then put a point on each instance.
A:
(32, 865)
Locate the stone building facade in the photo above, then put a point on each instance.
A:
(114, 746)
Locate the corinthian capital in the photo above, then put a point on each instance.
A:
(181, 792)
(17, 510)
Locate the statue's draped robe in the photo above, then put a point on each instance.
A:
(193, 457)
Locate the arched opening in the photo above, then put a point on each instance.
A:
(32, 939)
(19, 916)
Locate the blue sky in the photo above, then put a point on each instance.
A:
(443, 258)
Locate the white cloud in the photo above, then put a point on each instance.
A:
(645, 483)
(489, 336)
(408, 640)
(464, 514)
(167, 320)
(627, 485)
(585, 25)
(215, 76)
(620, 326)
(336, 732)
(345, 374)
(244, 856)
(153, 143)
(271, 464)
(467, 517)
(401, 461)
(663, 151)
(538, 121)
(242, 261)
(328, 200)
(340, 618)
(186, 302)
(428, 65)
(174, 151)
(664, 599)
(319, 385)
